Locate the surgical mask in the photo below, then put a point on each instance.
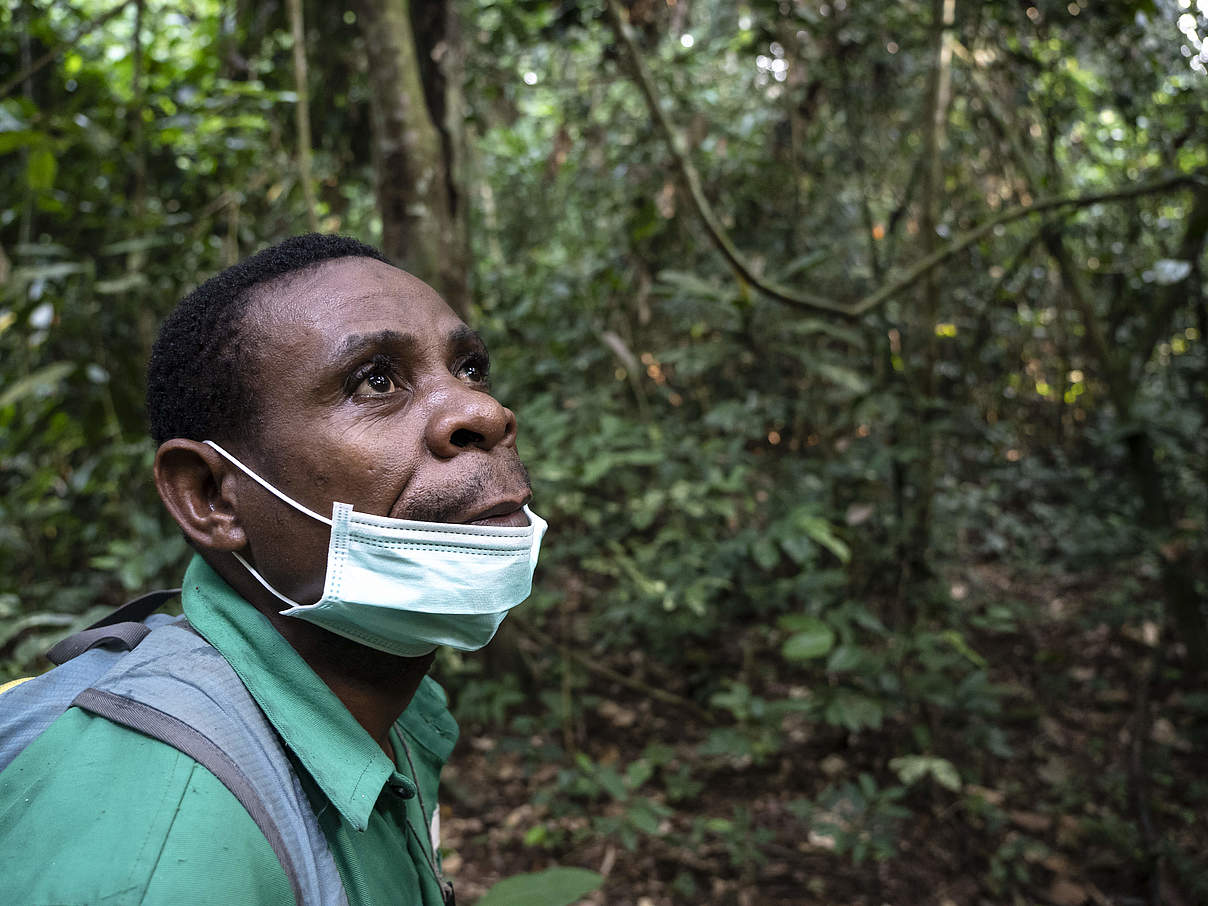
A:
(407, 587)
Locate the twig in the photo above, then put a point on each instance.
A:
(611, 675)
(80, 34)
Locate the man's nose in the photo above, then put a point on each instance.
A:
(468, 419)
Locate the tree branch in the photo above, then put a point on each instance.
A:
(704, 210)
(80, 33)
(962, 242)
(814, 303)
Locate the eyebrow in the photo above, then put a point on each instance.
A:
(463, 336)
(361, 343)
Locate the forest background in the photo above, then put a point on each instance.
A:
(858, 352)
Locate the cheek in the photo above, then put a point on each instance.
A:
(367, 462)
(290, 551)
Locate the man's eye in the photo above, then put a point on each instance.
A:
(472, 371)
(375, 384)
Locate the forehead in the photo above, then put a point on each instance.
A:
(317, 309)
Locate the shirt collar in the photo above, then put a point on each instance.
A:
(339, 754)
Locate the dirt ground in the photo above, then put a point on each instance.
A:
(1097, 802)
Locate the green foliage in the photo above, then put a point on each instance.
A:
(552, 887)
(913, 768)
(811, 638)
(111, 213)
(792, 522)
(860, 819)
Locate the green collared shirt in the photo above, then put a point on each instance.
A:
(94, 813)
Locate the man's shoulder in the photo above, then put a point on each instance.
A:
(92, 812)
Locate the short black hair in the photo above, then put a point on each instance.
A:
(197, 384)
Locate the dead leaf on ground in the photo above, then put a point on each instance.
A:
(993, 797)
(859, 513)
(616, 714)
(1031, 821)
(1064, 892)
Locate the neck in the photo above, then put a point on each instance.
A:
(375, 687)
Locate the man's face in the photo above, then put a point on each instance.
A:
(371, 392)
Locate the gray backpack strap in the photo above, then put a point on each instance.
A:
(155, 723)
(27, 710)
(124, 627)
(121, 635)
(138, 609)
(177, 688)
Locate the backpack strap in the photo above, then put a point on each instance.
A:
(177, 688)
(168, 683)
(157, 724)
(123, 626)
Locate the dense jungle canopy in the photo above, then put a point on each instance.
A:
(858, 352)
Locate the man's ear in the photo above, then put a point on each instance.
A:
(199, 489)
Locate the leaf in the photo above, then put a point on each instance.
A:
(854, 711)
(138, 244)
(27, 274)
(642, 817)
(15, 139)
(815, 640)
(31, 622)
(913, 768)
(957, 641)
(40, 169)
(765, 553)
(552, 887)
(842, 377)
(945, 774)
(820, 531)
(800, 549)
(38, 382)
(803, 263)
(725, 741)
(692, 285)
(122, 284)
(612, 782)
(845, 658)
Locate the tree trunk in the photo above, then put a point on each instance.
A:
(1184, 603)
(1177, 571)
(915, 546)
(413, 53)
(302, 122)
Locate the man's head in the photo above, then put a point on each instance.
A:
(339, 378)
(196, 385)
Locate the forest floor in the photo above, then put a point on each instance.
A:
(1097, 802)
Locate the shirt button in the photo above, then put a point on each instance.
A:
(402, 786)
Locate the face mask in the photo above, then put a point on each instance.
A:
(406, 587)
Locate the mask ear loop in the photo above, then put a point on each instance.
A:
(259, 578)
(268, 487)
(281, 496)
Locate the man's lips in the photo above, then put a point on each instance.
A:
(504, 514)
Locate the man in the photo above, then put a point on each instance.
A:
(310, 381)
